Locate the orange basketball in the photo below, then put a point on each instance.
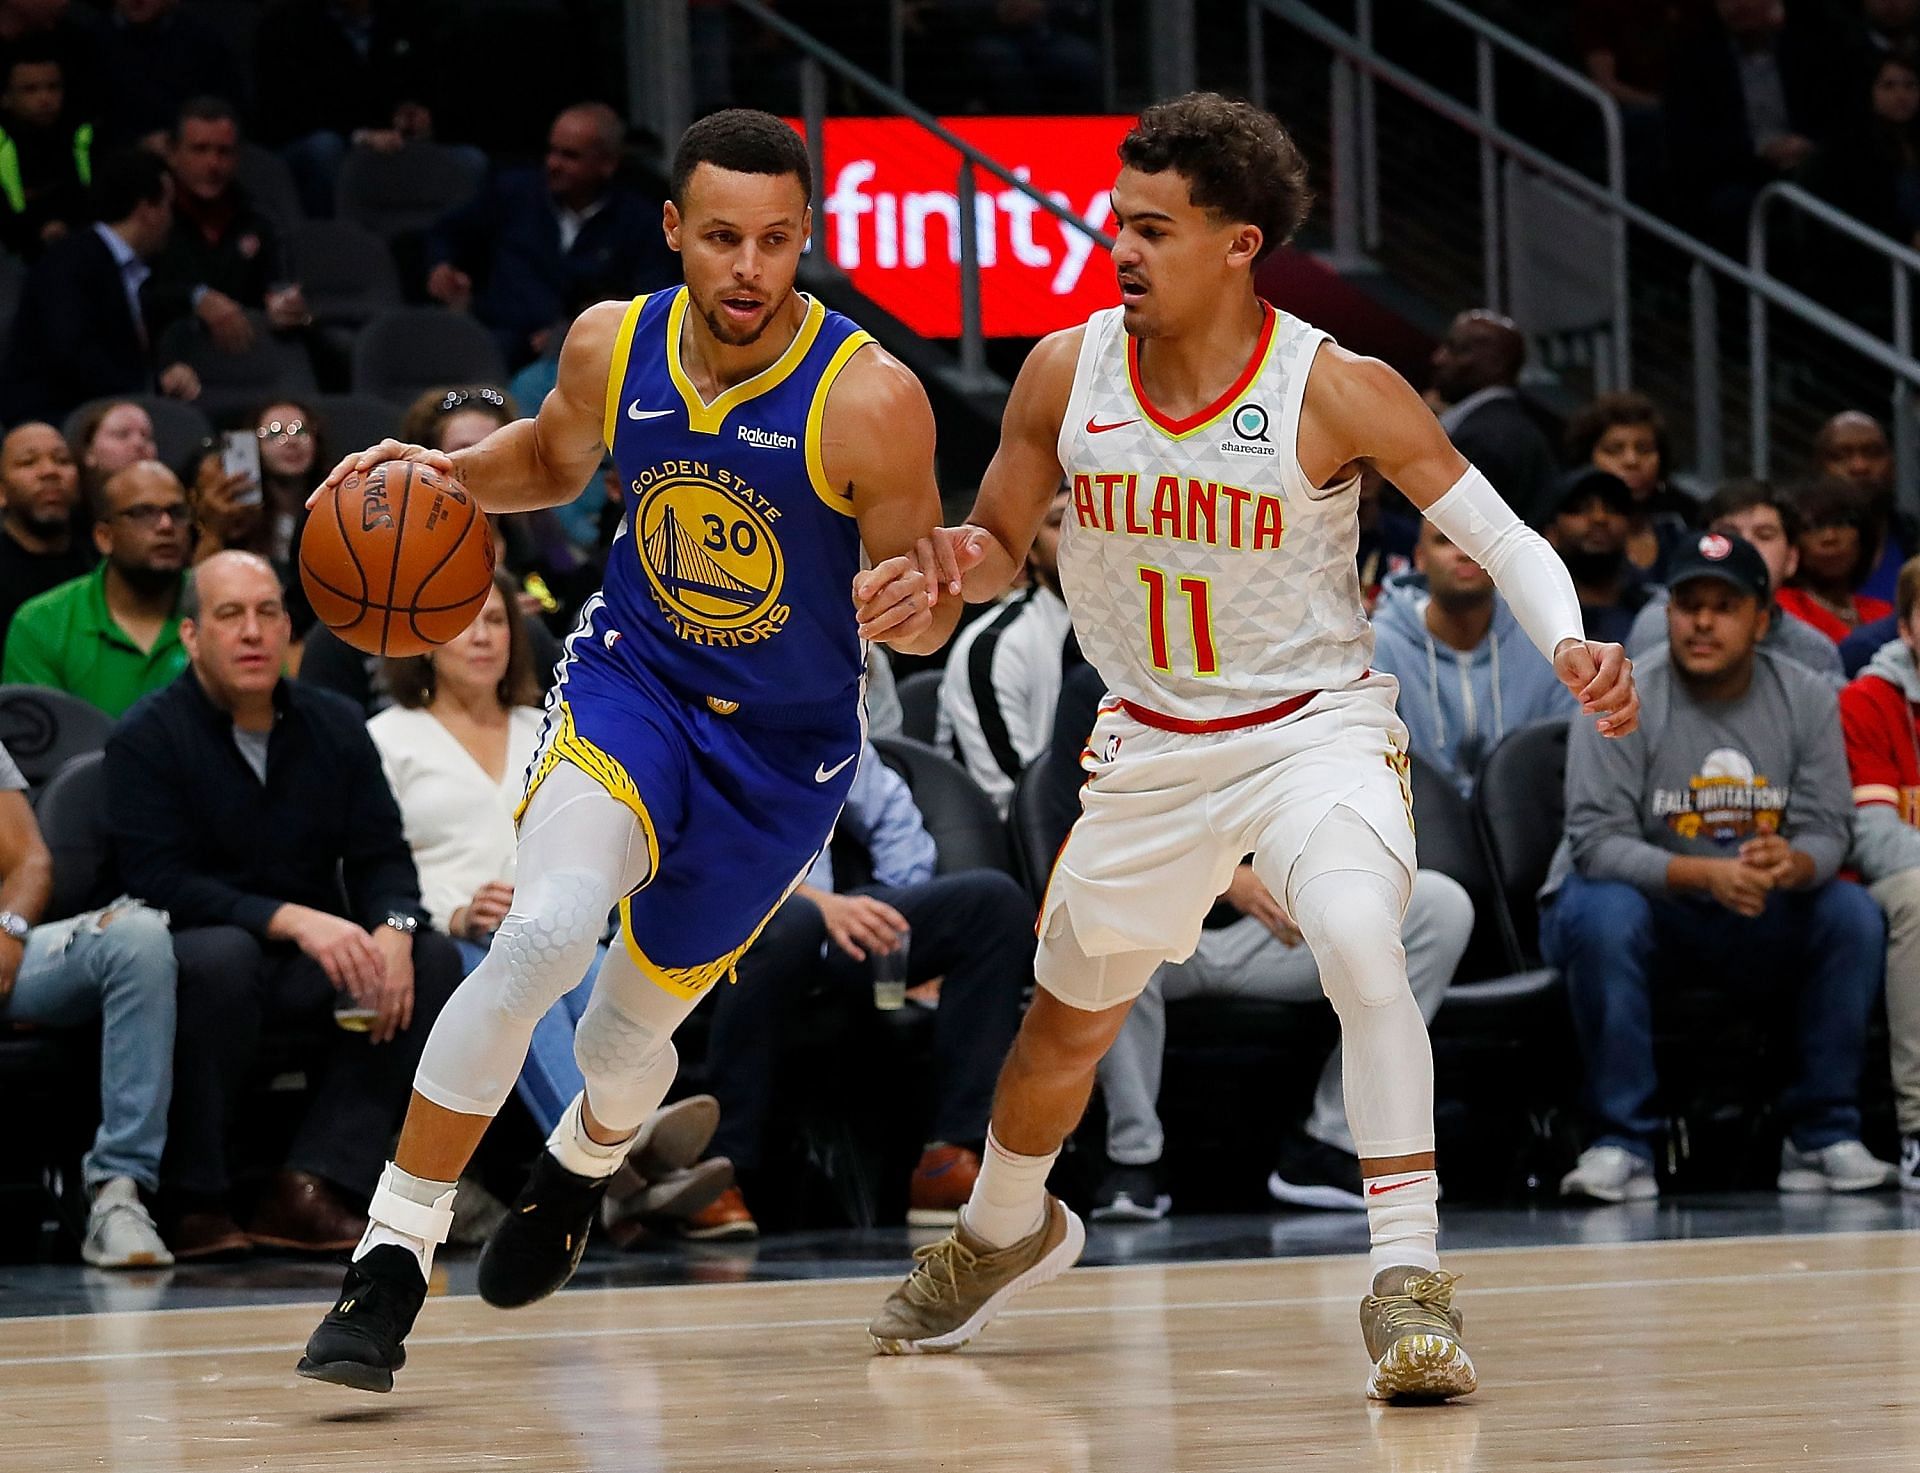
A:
(397, 560)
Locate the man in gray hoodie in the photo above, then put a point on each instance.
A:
(1883, 757)
(1467, 673)
(1709, 840)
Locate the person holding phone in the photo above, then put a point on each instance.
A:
(249, 493)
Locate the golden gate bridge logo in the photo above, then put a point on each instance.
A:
(712, 558)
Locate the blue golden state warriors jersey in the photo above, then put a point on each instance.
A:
(731, 578)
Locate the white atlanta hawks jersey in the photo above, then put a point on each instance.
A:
(1207, 578)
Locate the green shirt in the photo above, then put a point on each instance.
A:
(66, 638)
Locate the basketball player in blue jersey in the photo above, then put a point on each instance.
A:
(706, 722)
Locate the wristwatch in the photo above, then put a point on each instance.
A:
(15, 926)
(406, 925)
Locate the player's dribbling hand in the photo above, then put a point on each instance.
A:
(950, 554)
(893, 601)
(380, 454)
(1601, 678)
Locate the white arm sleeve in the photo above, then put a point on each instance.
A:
(1527, 571)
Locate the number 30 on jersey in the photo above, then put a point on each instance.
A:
(1198, 595)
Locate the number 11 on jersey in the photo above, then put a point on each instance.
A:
(1199, 616)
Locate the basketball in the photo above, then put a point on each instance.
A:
(397, 560)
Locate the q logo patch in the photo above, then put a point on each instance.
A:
(712, 559)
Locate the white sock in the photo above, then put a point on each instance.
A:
(1009, 1200)
(579, 1152)
(1404, 1221)
(410, 1212)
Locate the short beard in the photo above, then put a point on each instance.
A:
(148, 582)
(50, 529)
(1593, 567)
(1456, 602)
(725, 332)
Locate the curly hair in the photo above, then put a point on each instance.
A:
(1238, 161)
(1609, 411)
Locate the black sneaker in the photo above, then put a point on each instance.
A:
(358, 1343)
(537, 1246)
(1131, 1194)
(1311, 1173)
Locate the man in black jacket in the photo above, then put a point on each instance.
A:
(80, 333)
(255, 811)
(1475, 369)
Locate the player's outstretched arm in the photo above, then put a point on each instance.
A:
(531, 463)
(1359, 409)
(876, 445)
(987, 553)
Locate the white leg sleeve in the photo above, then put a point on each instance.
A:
(624, 1044)
(1349, 894)
(580, 850)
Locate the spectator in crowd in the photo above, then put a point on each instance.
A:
(1873, 170)
(1836, 552)
(254, 810)
(114, 965)
(1625, 46)
(79, 333)
(1704, 846)
(1752, 510)
(1853, 447)
(1589, 528)
(224, 258)
(456, 746)
(1250, 948)
(1002, 677)
(46, 155)
(112, 435)
(1753, 98)
(112, 635)
(52, 28)
(153, 55)
(1386, 537)
(1468, 676)
(40, 546)
(1890, 27)
(1475, 370)
(534, 244)
(1877, 714)
(1013, 55)
(972, 929)
(232, 510)
(1625, 433)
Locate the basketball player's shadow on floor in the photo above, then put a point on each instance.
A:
(938, 1405)
(373, 1416)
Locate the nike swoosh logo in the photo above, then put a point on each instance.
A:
(1094, 428)
(1375, 1189)
(825, 774)
(634, 411)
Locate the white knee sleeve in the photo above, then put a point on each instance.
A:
(1091, 983)
(628, 1065)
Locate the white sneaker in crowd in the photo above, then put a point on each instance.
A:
(120, 1234)
(1611, 1174)
(1844, 1166)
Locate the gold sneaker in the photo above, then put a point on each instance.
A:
(959, 1283)
(1412, 1332)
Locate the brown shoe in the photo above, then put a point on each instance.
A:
(941, 1184)
(725, 1219)
(305, 1214)
(198, 1235)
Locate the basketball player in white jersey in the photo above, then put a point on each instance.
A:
(1214, 446)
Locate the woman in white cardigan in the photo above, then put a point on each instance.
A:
(456, 744)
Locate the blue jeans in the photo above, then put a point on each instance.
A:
(550, 1078)
(122, 973)
(1822, 950)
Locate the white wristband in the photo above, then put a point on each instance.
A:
(1523, 567)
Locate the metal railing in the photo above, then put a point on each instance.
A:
(819, 61)
(1356, 59)
(1902, 260)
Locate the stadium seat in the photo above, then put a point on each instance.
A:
(43, 729)
(1036, 842)
(403, 353)
(180, 430)
(966, 828)
(233, 385)
(269, 185)
(346, 271)
(406, 191)
(1521, 800)
(920, 705)
(72, 814)
(354, 421)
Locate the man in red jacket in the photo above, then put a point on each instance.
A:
(1877, 712)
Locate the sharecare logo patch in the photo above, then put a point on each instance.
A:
(890, 219)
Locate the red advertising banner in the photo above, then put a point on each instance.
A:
(889, 213)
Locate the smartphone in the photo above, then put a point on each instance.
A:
(240, 456)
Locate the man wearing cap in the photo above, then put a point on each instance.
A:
(1592, 515)
(1704, 846)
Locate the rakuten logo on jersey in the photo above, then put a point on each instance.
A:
(766, 439)
(892, 219)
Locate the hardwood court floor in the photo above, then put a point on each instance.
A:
(1792, 1353)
